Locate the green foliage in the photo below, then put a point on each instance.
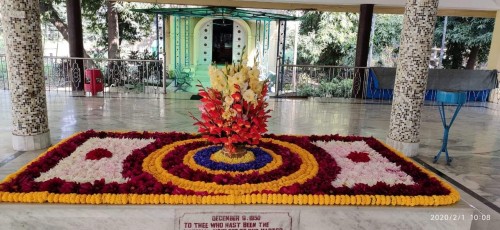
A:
(327, 38)
(310, 22)
(308, 90)
(462, 34)
(334, 88)
(133, 26)
(386, 38)
(137, 55)
(387, 32)
(330, 38)
(152, 70)
(466, 31)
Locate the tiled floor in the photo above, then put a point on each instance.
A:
(474, 138)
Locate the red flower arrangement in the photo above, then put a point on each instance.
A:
(233, 110)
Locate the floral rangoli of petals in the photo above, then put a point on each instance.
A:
(326, 177)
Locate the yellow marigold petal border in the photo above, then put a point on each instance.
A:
(308, 169)
(274, 164)
(301, 199)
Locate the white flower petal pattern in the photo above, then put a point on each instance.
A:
(378, 169)
(75, 168)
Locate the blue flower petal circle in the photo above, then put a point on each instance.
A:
(202, 158)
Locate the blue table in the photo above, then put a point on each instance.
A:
(453, 98)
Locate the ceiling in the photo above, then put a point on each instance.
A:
(443, 4)
(470, 8)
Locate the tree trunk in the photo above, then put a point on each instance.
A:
(55, 20)
(471, 62)
(113, 34)
(75, 36)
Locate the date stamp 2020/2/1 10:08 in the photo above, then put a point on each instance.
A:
(446, 217)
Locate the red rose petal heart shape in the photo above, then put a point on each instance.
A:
(358, 157)
(98, 154)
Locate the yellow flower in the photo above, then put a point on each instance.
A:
(244, 71)
(233, 81)
(221, 82)
(227, 114)
(212, 71)
(244, 57)
(239, 79)
(218, 80)
(254, 73)
(256, 85)
(249, 96)
(228, 100)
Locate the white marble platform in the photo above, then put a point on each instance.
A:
(57, 216)
(474, 144)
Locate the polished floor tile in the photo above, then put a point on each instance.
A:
(474, 141)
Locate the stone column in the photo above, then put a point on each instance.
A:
(494, 57)
(23, 37)
(166, 50)
(411, 75)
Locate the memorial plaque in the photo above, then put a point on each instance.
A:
(235, 221)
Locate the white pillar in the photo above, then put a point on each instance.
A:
(411, 75)
(494, 57)
(23, 37)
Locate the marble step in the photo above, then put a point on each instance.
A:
(286, 217)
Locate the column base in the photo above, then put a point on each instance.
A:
(408, 149)
(28, 143)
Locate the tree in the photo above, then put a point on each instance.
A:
(50, 14)
(133, 26)
(330, 38)
(465, 38)
(386, 38)
(113, 30)
(327, 38)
